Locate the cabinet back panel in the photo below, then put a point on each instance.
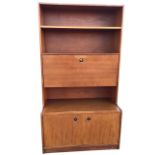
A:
(78, 41)
(84, 92)
(81, 16)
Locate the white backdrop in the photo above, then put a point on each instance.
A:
(20, 81)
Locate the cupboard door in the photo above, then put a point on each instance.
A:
(102, 128)
(61, 130)
(80, 70)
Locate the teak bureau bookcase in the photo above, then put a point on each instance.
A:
(80, 54)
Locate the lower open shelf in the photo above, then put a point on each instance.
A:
(80, 105)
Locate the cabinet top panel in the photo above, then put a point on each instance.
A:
(98, 5)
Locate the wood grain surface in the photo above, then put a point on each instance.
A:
(68, 71)
(80, 54)
(80, 122)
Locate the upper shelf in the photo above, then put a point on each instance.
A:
(81, 17)
(81, 27)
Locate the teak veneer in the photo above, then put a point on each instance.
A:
(80, 55)
(94, 70)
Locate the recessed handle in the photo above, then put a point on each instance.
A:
(75, 119)
(81, 59)
(88, 118)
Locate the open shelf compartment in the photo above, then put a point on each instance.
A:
(66, 15)
(80, 92)
(74, 41)
(81, 105)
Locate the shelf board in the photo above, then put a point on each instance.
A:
(78, 53)
(80, 105)
(81, 27)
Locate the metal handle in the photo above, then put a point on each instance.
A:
(81, 60)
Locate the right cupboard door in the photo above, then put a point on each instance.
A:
(101, 128)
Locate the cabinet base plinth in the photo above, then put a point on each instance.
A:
(79, 148)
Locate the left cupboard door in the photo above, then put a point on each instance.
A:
(59, 130)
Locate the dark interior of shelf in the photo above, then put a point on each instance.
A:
(66, 105)
(81, 15)
(80, 92)
(81, 41)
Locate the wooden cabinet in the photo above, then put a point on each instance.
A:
(80, 54)
(81, 122)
